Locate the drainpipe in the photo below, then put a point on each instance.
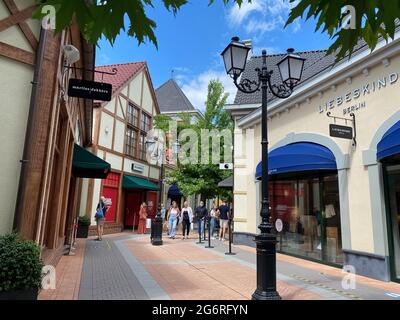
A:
(25, 162)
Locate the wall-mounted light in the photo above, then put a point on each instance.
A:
(107, 130)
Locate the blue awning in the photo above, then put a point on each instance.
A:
(174, 191)
(390, 143)
(300, 156)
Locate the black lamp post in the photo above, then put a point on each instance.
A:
(290, 68)
(156, 227)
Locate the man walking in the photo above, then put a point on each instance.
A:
(223, 219)
(201, 214)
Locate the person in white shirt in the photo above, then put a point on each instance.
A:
(187, 219)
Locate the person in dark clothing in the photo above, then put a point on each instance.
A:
(201, 214)
(224, 211)
(187, 219)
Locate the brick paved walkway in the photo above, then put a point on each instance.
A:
(128, 267)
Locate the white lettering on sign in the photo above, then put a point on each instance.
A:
(364, 90)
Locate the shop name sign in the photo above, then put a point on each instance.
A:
(343, 132)
(89, 90)
(137, 167)
(354, 95)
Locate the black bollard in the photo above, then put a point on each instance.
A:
(199, 233)
(230, 253)
(209, 234)
(204, 231)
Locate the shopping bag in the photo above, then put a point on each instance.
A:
(148, 223)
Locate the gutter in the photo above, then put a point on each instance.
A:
(29, 134)
(326, 80)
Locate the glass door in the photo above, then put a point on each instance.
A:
(393, 207)
(329, 221)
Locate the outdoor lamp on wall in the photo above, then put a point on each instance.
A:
(290, 69)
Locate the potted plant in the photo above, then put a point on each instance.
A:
(20, 268)
(83, 227)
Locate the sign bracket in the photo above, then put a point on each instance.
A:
(113, 72)
(353, 121)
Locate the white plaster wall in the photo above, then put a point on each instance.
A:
(114, 160)
(110, 106)
(119, 137)
(147, 102)
(135, 92)
(84, 196)
(105, 139)
(154, 173)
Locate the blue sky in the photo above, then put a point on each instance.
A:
(190, 43)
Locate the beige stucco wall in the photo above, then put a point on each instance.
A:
(135, 90)
(306, 118)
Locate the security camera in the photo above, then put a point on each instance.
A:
(226, 166)
(71, 54)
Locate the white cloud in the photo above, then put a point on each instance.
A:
(196, 89)
(237, 15)
(261, 16)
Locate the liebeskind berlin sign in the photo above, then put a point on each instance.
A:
(90, 90)
(343, 132)
(353, 95)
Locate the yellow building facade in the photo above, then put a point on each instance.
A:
(361, 190)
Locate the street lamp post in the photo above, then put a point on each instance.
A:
(290, 68)
(156, 227)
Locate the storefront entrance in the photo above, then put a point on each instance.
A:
(304, 195)
(133, 202)
(392, 192)
(310, 211)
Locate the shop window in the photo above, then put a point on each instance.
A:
(133, 115)
(142, 146)
(310, 212)
(131, 142)
(146, 122)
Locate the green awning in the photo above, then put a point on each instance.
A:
(86, 165)
(131, 182)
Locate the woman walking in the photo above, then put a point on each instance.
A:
(100, 217)
(142, 218)
(173, 215)
(213, 219)
(187, 219)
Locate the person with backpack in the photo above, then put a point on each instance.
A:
(100, 217)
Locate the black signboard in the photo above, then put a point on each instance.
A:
(89, 90)
(341, 131)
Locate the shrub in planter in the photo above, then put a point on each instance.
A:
(20, 268)
(83, 227)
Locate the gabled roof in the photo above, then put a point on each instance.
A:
(171, 98)
(126, 72)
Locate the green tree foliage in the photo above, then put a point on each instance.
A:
(97, 18)
(202, 178)
(373, 19)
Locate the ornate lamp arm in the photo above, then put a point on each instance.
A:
(247, 85)
(280, 90)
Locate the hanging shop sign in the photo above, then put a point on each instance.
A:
(90, 90)
(343, 132)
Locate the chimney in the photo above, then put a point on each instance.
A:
(249, 43)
